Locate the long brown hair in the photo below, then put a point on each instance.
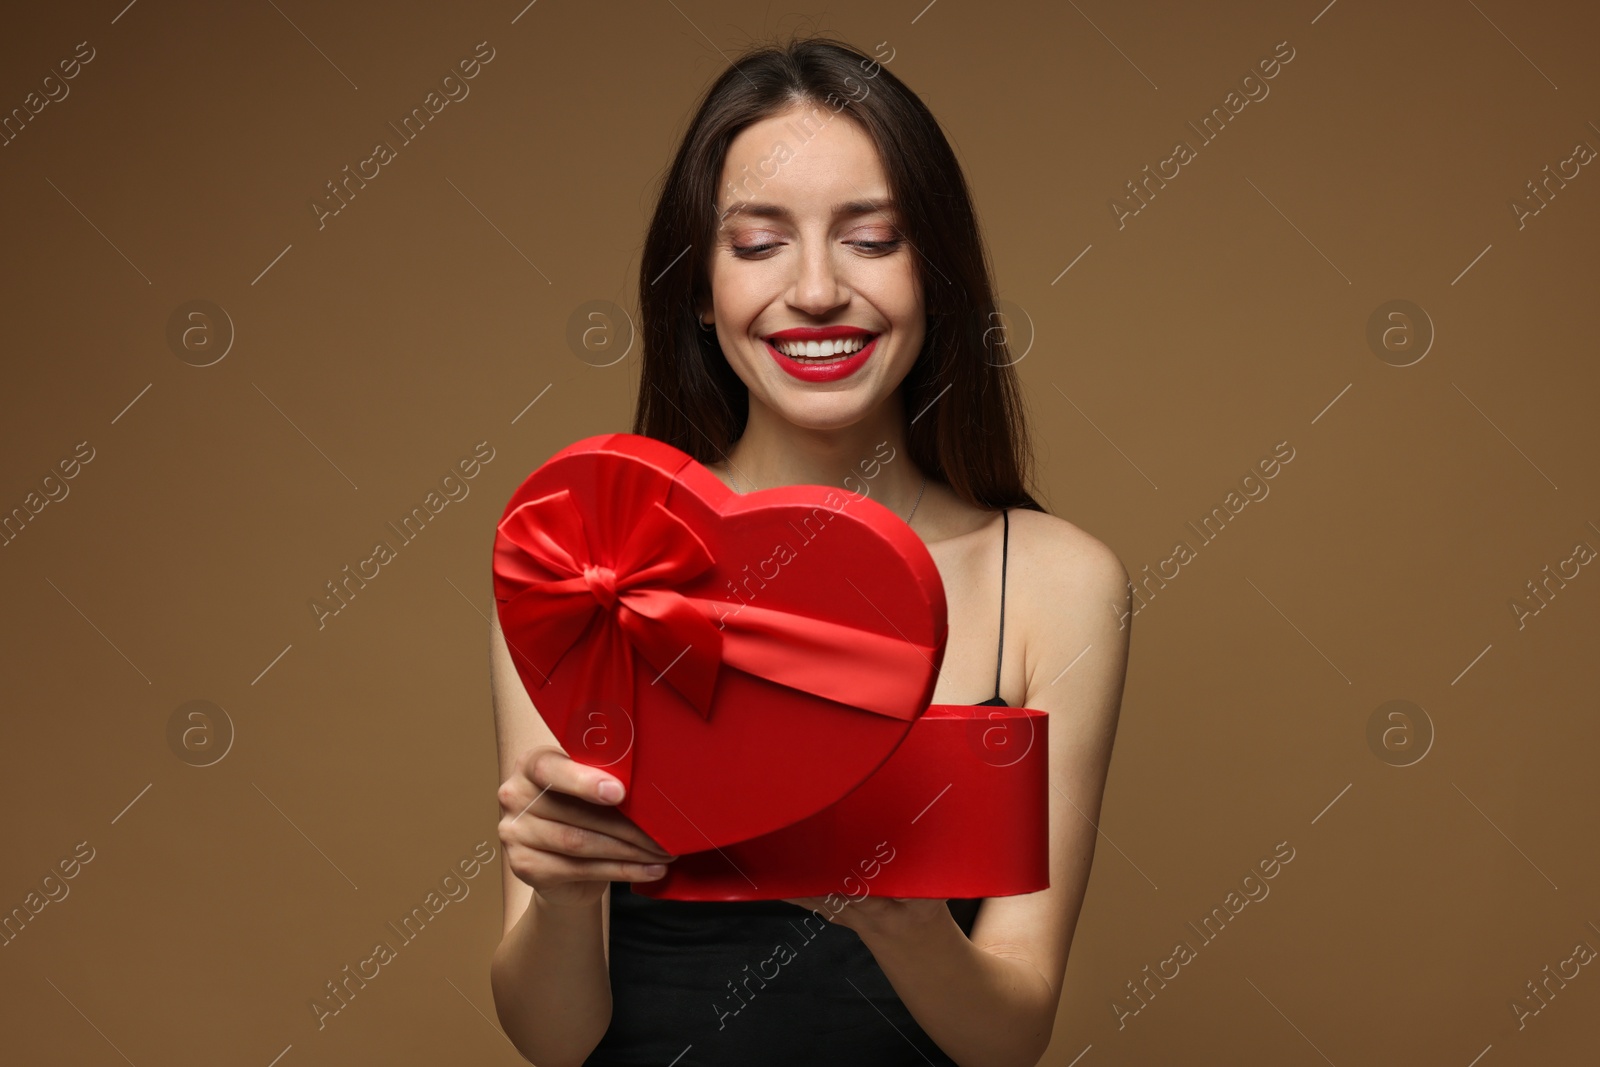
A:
(962, 396)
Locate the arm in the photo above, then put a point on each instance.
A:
(992, 1001)
(550, 973)
(551, 987)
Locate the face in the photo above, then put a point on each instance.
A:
(808, 244)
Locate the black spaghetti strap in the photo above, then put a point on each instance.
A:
(1005, 549)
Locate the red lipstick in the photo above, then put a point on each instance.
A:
(821, 370)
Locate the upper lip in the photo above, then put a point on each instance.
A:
(819, 333)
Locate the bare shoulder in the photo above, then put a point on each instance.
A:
(1072, 593)
(1058, 556)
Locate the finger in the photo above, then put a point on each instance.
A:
(582, 842)
(559, 823)
(557, 776)
(550, 769)
(568, 869)
(606, 820)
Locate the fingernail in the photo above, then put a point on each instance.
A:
(610, 791)
(655, 870)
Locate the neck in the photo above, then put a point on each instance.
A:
(868, 457)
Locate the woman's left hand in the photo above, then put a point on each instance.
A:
(870, 914)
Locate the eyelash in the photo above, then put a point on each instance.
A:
(750, 251)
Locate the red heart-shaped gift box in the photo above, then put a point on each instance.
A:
(740, 662)
(757, 669)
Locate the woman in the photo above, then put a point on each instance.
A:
(830, 325)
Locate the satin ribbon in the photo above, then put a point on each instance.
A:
(556, 568)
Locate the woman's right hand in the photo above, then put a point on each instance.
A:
(562, 833)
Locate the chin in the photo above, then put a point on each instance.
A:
(821, 417)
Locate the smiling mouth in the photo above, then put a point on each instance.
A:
(832, 351)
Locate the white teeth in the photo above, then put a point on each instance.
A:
(821, 349)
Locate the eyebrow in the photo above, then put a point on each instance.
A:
(759, 209)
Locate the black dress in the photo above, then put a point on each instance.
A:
(688, 990)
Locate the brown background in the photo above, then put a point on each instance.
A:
(371, 354)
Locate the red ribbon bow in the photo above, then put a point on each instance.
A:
(554, 572)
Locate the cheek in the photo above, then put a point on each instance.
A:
(897, 301)
(912, 340)
(740, 296)
(895, 293)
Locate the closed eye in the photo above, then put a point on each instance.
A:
(751, 251)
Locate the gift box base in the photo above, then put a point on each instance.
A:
(960, 809)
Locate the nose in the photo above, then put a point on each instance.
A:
(818, 289)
